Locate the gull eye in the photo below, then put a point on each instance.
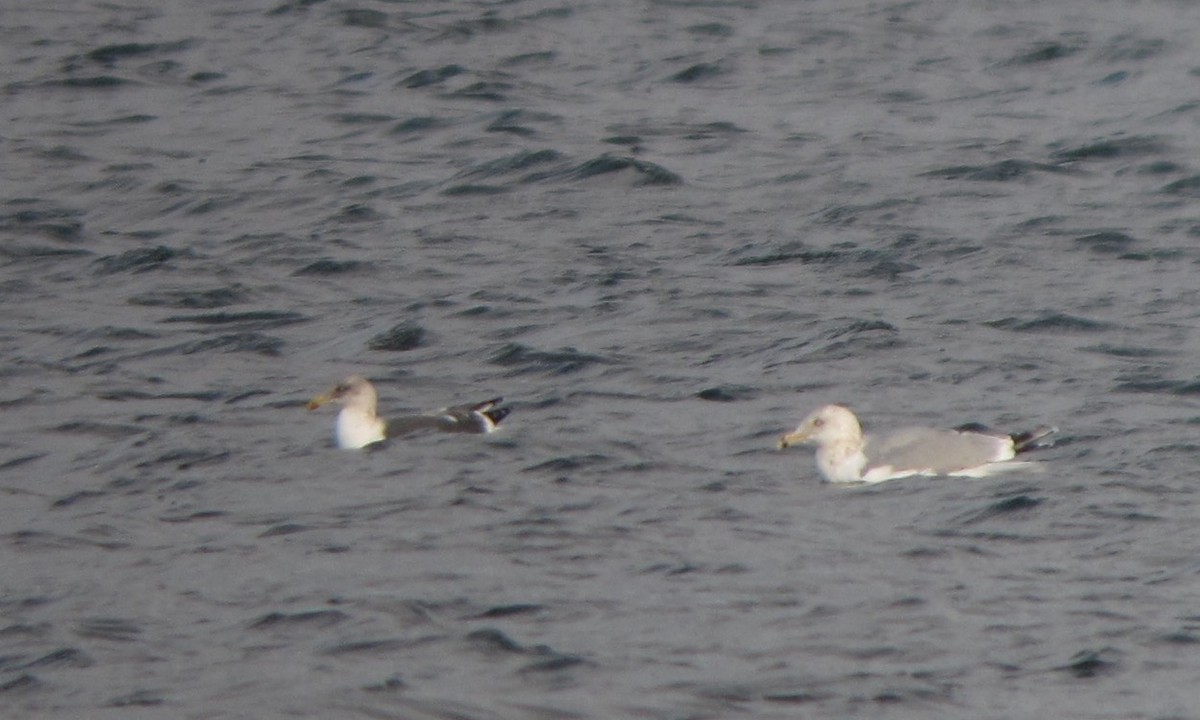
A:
(819, 422)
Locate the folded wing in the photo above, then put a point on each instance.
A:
(935, 452)
(477, 418)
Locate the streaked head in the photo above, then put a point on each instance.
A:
(355, 391)
(830, 423)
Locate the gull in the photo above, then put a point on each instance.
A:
(846, 455)
(358, 426)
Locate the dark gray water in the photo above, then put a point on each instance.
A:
(664, 231)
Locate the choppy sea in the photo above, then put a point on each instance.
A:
(664, 230)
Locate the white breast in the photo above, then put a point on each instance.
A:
(356, 429)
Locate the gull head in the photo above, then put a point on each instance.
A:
(355, 392)
(823, 426)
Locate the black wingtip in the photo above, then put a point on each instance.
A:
(496, 414)
(1033, 439)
